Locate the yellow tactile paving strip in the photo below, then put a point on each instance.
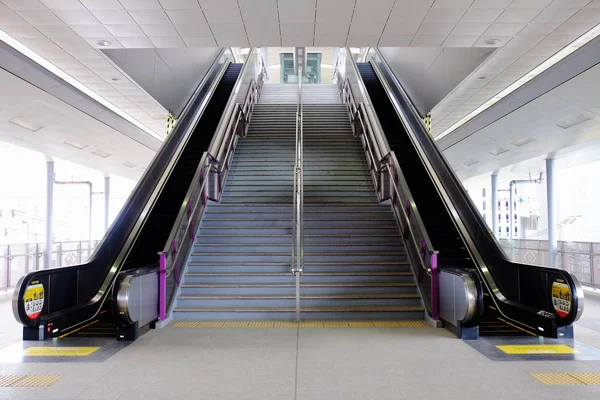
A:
(568, 379)
(28, 380)
(59, 351)
(301, 324)
(537, 349)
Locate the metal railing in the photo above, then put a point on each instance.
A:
(214, 164)
(17, 260)
(391, 185)
(581, 259)
(298, 208)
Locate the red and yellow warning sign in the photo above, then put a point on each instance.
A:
(561, 298)
(34, 299)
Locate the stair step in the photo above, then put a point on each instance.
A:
(232, 274)
(302, 309)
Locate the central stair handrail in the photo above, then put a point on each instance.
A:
(298, 208)
(233, 124)
(390, 183)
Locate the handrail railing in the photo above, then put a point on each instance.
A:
(298, 207)
(522, 294)
(383, 164)
(233, 125)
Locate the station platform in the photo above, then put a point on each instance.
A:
(322, 360)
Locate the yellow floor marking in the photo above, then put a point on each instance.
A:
(588, 379)
(28, 380)
(59, 351)
(78, 329)
(568, 379)
(515, 326)
(538, 349)
(301, 324)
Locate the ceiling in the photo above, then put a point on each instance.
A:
(428, 74)
(169, 75)
(65, 132)
(540, 28)
(564, 119)
(68, 33)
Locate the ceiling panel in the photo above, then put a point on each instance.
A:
(76, 27)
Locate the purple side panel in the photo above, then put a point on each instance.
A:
(162, 287)
(434, 286)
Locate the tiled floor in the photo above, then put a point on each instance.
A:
(301, 363)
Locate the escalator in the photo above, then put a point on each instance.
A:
(80, 300)
(517, 299)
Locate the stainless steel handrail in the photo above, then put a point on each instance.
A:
(383, 163)
(233, 125)
(298, 200)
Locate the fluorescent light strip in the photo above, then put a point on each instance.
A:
(570, 48)
(27, 52)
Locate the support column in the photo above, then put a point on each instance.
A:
(551, 198)
(495, 204)
(106, 201)
(49, 211)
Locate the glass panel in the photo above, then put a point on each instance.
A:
(596, 248)
(576, 247)
(313, 68)
(288, 74)
(579, 265)
(18, 266)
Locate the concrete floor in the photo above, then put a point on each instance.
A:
(281, 363)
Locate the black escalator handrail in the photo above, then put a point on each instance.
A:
(62, 286)
(423, 256)
(181, 238)
(482, 245)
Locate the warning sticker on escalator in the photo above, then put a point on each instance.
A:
(561, 298)
(34, 299)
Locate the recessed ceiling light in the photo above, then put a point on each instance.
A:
(76, 144)
(101, 153)
(522, 141)
(492, 41)
(470, 162)
(128, 164)
(103, 43)
(115, 79)
(498, 151)
(482, 77)
(25, 123)
(572, 121)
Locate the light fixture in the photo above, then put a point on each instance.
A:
(492, 42)
(570, 48)
(572, 121)
(522, 142)
(498, 151)
(103, 43)
(470, 162)
(76, 144)
(25, 123)
(115, 79)
(35, 57)
(128, 164)
(101, 153)
(482, 77)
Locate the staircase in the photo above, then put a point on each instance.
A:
(355, 264)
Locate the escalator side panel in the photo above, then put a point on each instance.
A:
(72, 287)
(526, 288)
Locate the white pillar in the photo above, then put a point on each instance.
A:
(551, 199)
(495, 204)
(106, 201)
(49, 211)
